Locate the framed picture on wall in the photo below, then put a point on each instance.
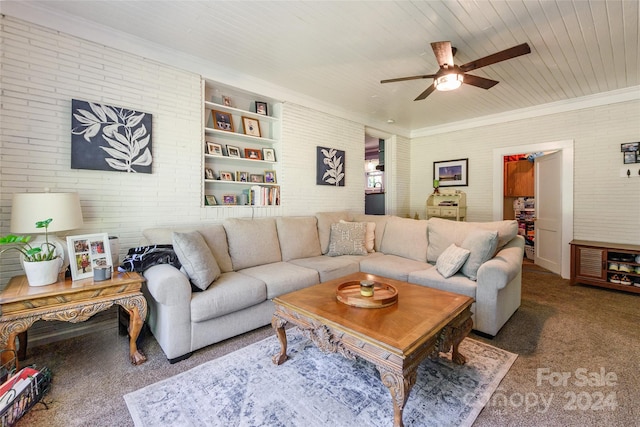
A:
(452, 173)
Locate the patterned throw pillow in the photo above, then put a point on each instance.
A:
(450, 261)
(347, 238)
(140, 258)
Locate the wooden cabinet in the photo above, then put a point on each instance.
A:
(608, 265)
(518, 179)
(449, 204)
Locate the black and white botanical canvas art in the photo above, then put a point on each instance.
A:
(330, 167)
(108, 138)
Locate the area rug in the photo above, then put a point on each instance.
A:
(312, 388)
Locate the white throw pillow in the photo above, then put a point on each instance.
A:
(196, 258)
(482, 244)
(450, 261)
(369, 235)
(347, 238)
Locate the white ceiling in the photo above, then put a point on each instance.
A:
(337, 52)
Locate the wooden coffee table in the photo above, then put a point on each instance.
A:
(71, 301)
(396, 339)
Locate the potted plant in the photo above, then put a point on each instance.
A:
(41, 264)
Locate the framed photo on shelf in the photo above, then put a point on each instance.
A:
(452, 173)
(226, 101)
(233, 151)
(630, 157)
(257, 178)
(261, 108)
(270, 177)
(253, 154)
(251, 126)
(214, 149)
(269, 154)
(210, 200)
(222, 120)
(226, 176)
(229, 199)
(86, 252)
(242, 176)
(208, 173)
(630, 146)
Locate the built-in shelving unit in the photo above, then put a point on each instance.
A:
(231, 177)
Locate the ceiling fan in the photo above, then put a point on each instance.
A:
(451, 76)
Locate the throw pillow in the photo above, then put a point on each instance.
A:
(369, 235)
(482, 244)
(347, 238)
(450, 261)
(196, 258)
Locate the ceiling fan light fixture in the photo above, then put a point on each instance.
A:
(448, 81)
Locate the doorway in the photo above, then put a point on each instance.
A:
(374, 191)
(565, 176)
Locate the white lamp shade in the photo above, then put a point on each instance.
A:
(29, 208)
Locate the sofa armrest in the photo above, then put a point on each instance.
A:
(503, 267)
(168, 286)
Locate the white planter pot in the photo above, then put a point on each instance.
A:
(42, 273)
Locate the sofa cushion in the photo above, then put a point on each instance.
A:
(298, 237)
(451, 260)
(330, 268)
(347, 238)
(232, 292)
(391, 266)
(406, 238)
(458, 283)
(443, 232)
(380, 221)
(325, 219)
(252, 242)
(369, 234)
(283, 277)
(482, 244)
(196, 258)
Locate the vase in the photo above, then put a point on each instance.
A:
(42, 273)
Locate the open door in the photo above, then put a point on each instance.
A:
(548, 222)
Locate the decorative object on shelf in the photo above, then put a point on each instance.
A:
(233, 151)
(208, 173)
(229, 199)
(210, 200)
(214, 149)
(88, 252)
(330, 167)
(242, 176)
(269, 154)
(251, 126)
(436, 184)
(451, 173)
(256, 177)
(29, 208)
(222, 120)
(252, 153)
(226, 176)
(631, 152)
(109, 138)
(270, 176)
(261, 108)
(226, 101)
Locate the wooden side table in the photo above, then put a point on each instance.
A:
(71, 301)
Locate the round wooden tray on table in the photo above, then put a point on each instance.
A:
(384, 295)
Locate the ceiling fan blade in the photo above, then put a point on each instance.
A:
(512, 52)
(443, 53)
(479, 81)
(426, 93)
(400, 79)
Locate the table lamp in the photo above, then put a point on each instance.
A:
(63, 208)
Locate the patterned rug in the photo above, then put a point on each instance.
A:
(312, 388)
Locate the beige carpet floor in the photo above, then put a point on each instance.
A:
(578, 364)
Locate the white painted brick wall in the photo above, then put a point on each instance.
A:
(606, 207)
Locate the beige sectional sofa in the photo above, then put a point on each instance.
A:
(241, 264)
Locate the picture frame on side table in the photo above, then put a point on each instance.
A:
(222, 121)
(226, 176)
(214, 149)
(270, 177)
(261, 108)
(251, 126)
(233, 151)
(252, 153)
(86, 252)
(452, 173)
(230, 199)
(269, 154)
